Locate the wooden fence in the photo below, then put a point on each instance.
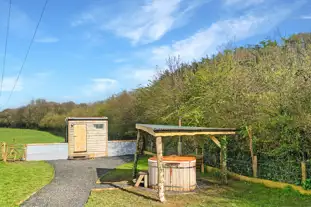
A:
(13, 152)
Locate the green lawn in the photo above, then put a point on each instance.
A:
(19, 180)
(124, 172)
(27, 136)
(236, 193)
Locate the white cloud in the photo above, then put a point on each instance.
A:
(143, 23)
(139, 76)
(242, 3)
(8, 83)
(47, 40)
(100, 86)
(206, 41)
(305, 17)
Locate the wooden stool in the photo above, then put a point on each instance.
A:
(142, 176)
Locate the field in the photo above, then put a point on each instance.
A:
(20, 179)
(237, 193)
(27, 136)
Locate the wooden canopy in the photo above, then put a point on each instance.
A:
(159, 131)
(171, 130)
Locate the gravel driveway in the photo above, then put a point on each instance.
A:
(73, 181)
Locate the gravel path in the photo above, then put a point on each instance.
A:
(73, 181)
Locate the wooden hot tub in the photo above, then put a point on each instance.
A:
(179, 173)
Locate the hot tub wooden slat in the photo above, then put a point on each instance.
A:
(178, 175)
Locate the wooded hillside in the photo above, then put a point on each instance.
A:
(265, 86)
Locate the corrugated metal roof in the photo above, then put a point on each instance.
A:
(173, 128)
(87, 118)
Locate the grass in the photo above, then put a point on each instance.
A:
(236, 193)
(27, 136)
(19, 180)
(124, 172)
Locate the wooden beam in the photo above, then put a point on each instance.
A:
(169, 134)
(202, 164)
(161, 192)
(146, 129)
(179, 146)
(215, 140)
(136, 156)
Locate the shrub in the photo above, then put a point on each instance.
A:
(307, 184)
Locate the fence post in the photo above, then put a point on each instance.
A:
(303, 171)
(255, 166)
(4, 151)
(223, 160)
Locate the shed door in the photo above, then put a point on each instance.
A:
(80, 137)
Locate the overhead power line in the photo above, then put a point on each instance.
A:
(5, 46)
(28, 50)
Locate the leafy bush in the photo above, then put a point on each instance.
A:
(307, 184)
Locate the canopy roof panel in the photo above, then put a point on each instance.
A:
(171, 130)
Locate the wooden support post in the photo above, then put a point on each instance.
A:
(255, 166)
(179, 148)
(215, 140)
(303, 171)
(253, 157)
(250, 135)
(160, 170)
(146, 181)
(223, 160)
(202, 164)
(136, 156)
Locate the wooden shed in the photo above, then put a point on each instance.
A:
(87, 137)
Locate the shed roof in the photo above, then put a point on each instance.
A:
(87, 118)
(172, 130)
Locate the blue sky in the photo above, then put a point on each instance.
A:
(88, 50)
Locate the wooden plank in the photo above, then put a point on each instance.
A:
(161, 180)
(215, 140)
(80, 138)
(113, 188)
(140, 178)
(267, 183)
(169, 134)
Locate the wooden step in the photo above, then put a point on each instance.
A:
(78, 157)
